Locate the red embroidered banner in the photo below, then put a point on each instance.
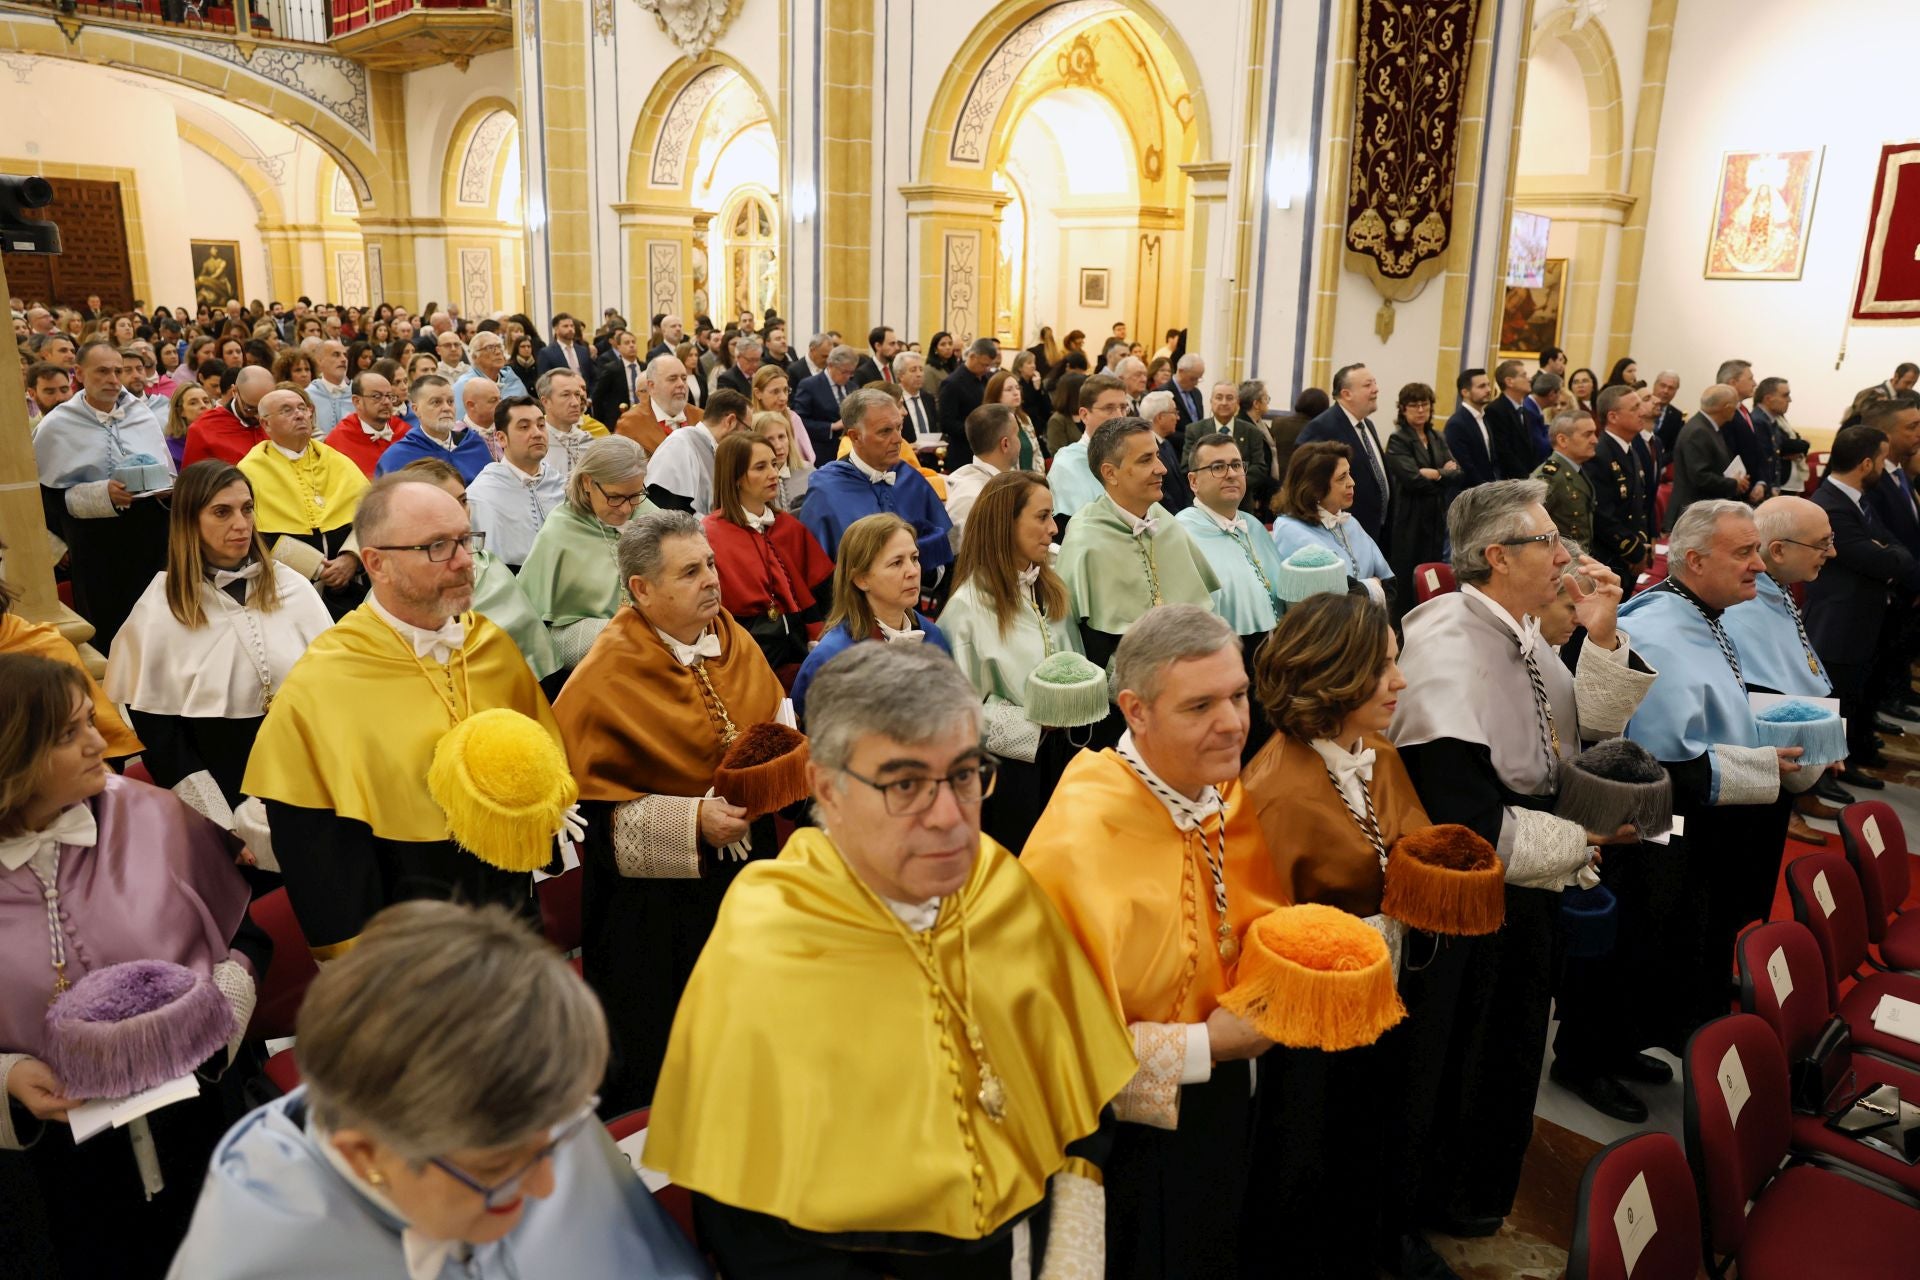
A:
(1889, 288)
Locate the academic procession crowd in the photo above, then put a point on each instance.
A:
(1183, 885)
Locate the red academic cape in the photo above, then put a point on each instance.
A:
(778, 569)
(218, 433)
(351, 441)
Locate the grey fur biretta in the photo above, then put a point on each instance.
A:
(1613, 784)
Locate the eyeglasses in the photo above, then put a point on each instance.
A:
(617, 500)
(1218, 469)
(1552, 539)
(442, 551)
(508, 1189)
(1825, 544)
(908, 797)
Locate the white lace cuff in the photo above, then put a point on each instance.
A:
(250, 824)
(1745, 775)
(657, 838)
(1009, 734)
(571, 642)
(1540, 850)
(1606, 689)
(236, 984)
(89, 501)
(1077, 1229)
(10, 1140)
(200, 793)
(1166, 1053)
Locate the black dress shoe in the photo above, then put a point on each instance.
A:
(1603, 1093)
(1903, 708)
(1829, 788)
(1466, 1228)
(1643, 1068)
(1883, 725)
(1854, 778)
(1410, 1257)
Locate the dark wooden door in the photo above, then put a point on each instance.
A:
(93, 257)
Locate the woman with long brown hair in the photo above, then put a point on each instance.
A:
(1008, 614)
(774, 575)
(210, 641)
(876, 596)
(1007, 387)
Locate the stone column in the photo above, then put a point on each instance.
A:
(22, 522)
(954, 240)
(1209, 283)
(659, 240)
(847, 170)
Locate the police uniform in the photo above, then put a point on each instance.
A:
(1569, 498)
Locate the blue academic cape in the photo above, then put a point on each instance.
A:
(469, 457)
(838, 641)
(1361, 552)
(1696, 703)
(840, 493)
(1072, 483)
(274, 1205)
(1771, 653)
(1246, 602)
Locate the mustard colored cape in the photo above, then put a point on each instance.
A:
(43, 640)
(281, 504)
(1136, 891)
(806, 1078)
(354, 727)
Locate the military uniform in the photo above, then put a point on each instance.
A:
(1622, 527)
(1569, 498)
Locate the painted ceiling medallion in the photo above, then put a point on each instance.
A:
(694, 26)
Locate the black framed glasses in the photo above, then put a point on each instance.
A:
(441, 551)
(1825, 544)
(908, 797)
(617, 500)
(1551, 538)
(508, 1189)
(1226, 468)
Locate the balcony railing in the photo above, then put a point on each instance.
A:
(396, 35)
(296, 21)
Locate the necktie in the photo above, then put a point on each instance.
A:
(1906, 486)
(633, 383)
(74, 826)
(1372, 443)
(839, 392)
(572, 357)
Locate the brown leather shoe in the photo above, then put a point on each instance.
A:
(1799, 830)
(1902, 749)
(1811, 806)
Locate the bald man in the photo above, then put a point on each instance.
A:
(662, 410)
(305, 494)
(1703, 459)
(229, 430)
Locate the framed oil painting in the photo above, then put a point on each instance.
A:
(1530, 318)
(216, 272)
(1093, 286)
(1762, 213)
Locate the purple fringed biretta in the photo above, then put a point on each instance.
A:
(131, 1026)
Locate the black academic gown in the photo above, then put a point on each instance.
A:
(113, 559)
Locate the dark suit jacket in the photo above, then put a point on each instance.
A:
(611, 394)
(1622, 516)
(960, 394)
(734, 380)
(1700, 459)
(1199, 411)
(814, 401)
(1536, 424)
(798, 370)
(909, 427)
(1889, 500)
(1462, 435)
(1176, 495)
(1666, 429)
(868, 370)
(551, 358)
(1369, 502)
(1512, 443)
(1846, 603)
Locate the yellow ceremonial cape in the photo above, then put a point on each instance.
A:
(806, 1077)
(1137, 893)
(41, 639)
(354, 727)
(285, 490)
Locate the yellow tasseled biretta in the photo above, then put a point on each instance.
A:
(1315, 977)
(1445, 879)
(504, 785)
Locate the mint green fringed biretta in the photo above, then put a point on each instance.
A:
(1818, 732)
(1066, 691)
(1311, 571)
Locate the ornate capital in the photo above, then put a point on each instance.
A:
(694, 26)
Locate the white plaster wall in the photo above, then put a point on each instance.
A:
(1557, 136)
(221, 209)
(436, 98)
(1779, 93)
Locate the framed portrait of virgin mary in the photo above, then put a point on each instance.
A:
(1762, 213)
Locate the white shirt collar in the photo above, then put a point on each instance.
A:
(286, 453)
(73, 826)
(1187, 814)
(449, 444)
(1226, 524)
(762, 523)
(1526, 632)
(1138, 524)
(335, 389)
(425, 1257)
(707, 646)
(662, 415)
(527, 478)
(873, 476)
(1351, 420)
(439, 645)
(909, 632)
(1852, 493)
(1479, 413)
(917, 916)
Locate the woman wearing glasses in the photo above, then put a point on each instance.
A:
(211, 641)
(1313, 512)
(445, 1127)
(774, 576)
(572, 574)
(876, 594)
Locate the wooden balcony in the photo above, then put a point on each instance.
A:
(406, 35)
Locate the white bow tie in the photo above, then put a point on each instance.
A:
(227, 577)
(674, 423)
(1347, 764)
(911, 632)
(384, 433)
(438, 645)
(763, 522)
(1529, 634)
(74, 826)
(884, 477)
(1029, 576)
(1333, 519)
(707, 646)
(1145, 528)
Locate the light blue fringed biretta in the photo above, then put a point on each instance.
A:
(1819, 733)
(1310, 571)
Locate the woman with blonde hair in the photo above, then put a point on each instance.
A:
(445, 1125)
(1332, 797)
(1008, 614)
(772, 391)
(876, 594)
(795, 471)
(189, 401)
(774, 575)
(572, 574)
(210, 641)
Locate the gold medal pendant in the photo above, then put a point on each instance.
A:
(1229, 945)
(1813, 665)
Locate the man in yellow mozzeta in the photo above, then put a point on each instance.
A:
(891, 1048)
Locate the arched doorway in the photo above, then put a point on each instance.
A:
(480, 204)
(1064, 125)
